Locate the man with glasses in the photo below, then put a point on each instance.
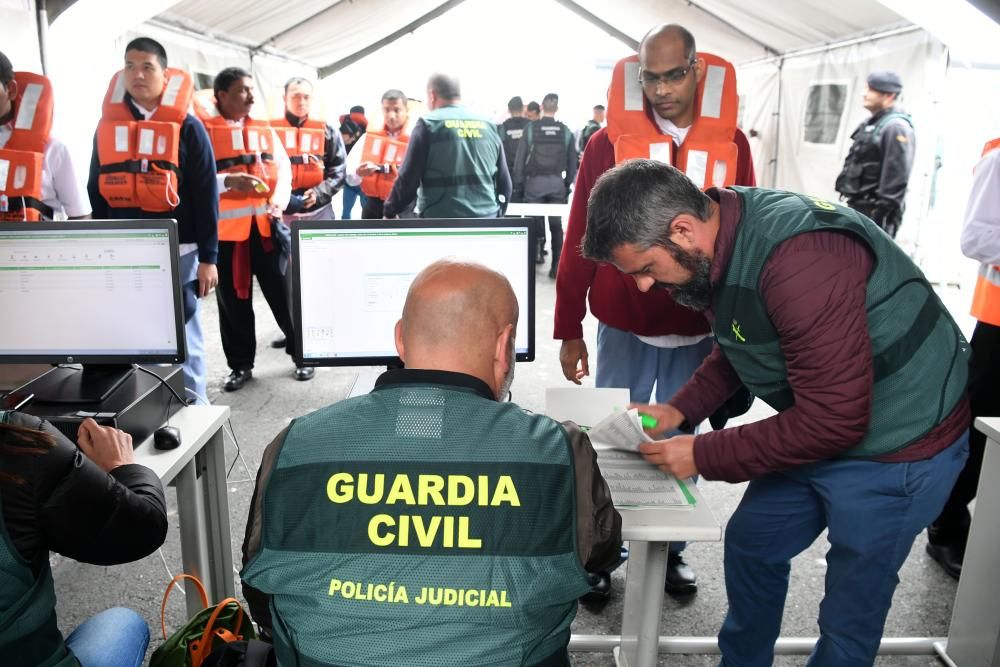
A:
(642, 339)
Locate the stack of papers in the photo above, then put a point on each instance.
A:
(634, 482)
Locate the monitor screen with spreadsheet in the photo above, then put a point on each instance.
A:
(90, 292)
(350, 280)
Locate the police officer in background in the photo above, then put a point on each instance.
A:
(591, 128)
(534, 111)
(454, 158)
(877, 168)
(544, 170)
(512, 129)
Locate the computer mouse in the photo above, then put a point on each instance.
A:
(167, 437)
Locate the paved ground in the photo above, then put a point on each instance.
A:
(922, 605)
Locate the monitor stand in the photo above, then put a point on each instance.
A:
(93, 384)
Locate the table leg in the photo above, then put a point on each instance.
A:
(194, 552)
(212, 468)
(646, 568)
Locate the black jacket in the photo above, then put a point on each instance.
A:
(67, 504)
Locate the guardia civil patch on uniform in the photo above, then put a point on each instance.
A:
(901, 138)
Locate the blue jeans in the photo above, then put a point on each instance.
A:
(116, 637)
(625, 361)
(351, 195)
(873, 511)
(195, 372)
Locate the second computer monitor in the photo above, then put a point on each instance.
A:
(351, 278)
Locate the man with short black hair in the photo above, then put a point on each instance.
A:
(544, 169)
(511, 132)
(830, 323)
(60, 191)
(374, 166)
(255, 179)
(534, 111)
(454, 158)
(192, 199)
(877, 168)
(316, 152)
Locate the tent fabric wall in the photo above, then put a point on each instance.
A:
(804, 166)
(20, 34)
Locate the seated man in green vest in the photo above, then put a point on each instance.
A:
(821, 315)
(454, 165)
(429, 522)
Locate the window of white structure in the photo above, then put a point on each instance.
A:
(823, 113)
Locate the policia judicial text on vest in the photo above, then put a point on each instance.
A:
(468, 529)
(918, 352)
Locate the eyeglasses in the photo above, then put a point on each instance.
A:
(676, 75)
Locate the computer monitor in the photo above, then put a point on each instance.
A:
(350, 280)
(102, 293)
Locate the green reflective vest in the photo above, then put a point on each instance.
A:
(420, 525)
(459, 177)
(28, 631)
(920, 357)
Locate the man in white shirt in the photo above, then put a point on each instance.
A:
(256, 255)
(61, 189)
(395, 115)
(946, 537)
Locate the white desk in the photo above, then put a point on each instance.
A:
(198, 471)
(544, 210)
(974, 635)
(649, 533)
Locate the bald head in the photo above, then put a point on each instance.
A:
(667, 35)
(459, 317)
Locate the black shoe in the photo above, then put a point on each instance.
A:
(681, 579)
(237, 379)
(949, 557)
(600, 588)
(279, 343)
(553, 271)
(303, 373)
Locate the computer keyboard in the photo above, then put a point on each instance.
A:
(69, 424)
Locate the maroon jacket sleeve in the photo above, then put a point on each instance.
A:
(814, 290)
(744, 162)
(710, 386)
(576, 274)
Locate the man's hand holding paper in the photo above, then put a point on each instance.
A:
(673, 455)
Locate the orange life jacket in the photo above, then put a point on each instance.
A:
(708, 155)
(384, 150)
(986, 298)
(140, 159)
(245, 150)
(22, 157)
(306, 148)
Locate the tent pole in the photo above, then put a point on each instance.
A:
(777, 126)
(42, 16)
(333, 68)
(600, 23)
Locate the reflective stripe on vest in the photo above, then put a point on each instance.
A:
(140, 159)
(986, 298)
(708, 155)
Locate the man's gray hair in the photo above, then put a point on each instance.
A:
(445, 86)
(634, 203)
